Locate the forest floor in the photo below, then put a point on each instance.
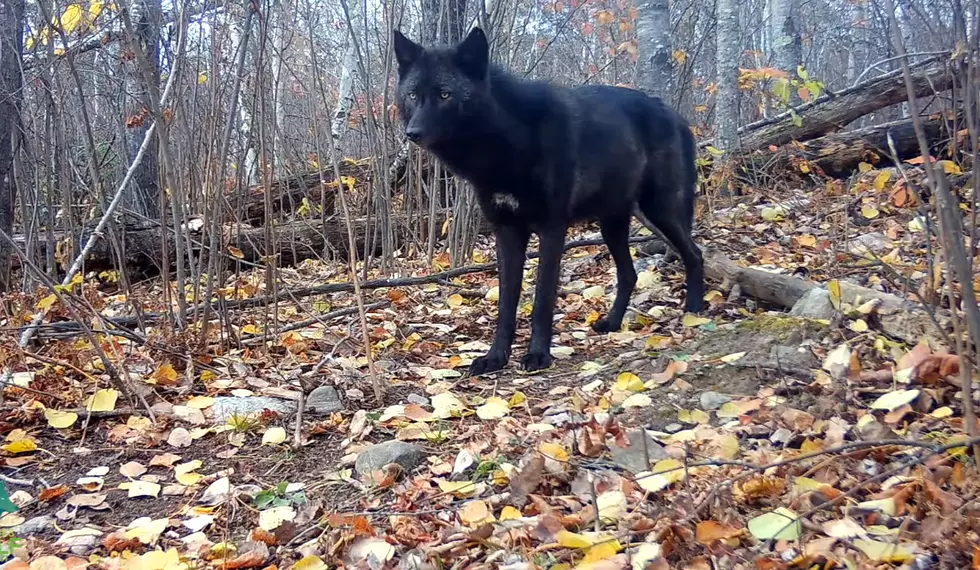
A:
(744, 437)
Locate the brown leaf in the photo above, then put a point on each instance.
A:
(935, 367)
(251, 555)
(52, 493)
(525, 482)
(710, 531)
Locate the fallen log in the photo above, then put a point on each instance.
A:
(839, 154)
(835, 112)
(293, 242)
(897, 317)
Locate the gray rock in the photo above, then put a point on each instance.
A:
(673, 428)
(324, 400)
(793, 357)
(418, 399)
(869, 243)
(815, 304)
(34, 525)
(377, 456)
(713, 400)
(226, 406)
(632, 458)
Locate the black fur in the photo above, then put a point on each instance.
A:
(543, 157)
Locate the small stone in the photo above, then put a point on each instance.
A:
(781, 436)
(793, 357)
(377, 456)
(815, 304)
(324, 400)
(713, 400)
(418, 399)
(632, 457)
(673, 428)
(354, 395)
(226, 406)
(34, 525)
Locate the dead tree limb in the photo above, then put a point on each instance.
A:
(835, 112)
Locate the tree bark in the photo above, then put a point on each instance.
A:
(11, 80)
(727, 60)
(787, 45)
(142, 197)
(654, 72)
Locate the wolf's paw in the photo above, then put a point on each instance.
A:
(491, 362)
(603, 326)
(533, 361)
(694, 305)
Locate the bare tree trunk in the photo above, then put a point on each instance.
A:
(142, 197)
(11, 79)
(654, 72)
(727, 56)
(787, 45)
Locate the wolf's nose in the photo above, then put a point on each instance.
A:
(413, 134)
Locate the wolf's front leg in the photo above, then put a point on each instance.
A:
(511, 252)
(538, 355)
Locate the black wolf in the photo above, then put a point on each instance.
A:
(543, 157)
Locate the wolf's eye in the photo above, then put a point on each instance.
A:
(412, 95)
(444, 95)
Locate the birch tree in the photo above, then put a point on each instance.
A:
(654, 71)
(727, 59)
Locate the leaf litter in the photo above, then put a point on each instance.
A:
(742, 437)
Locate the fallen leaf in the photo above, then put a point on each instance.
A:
(781, 524)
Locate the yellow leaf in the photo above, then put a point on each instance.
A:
(833, 287)
(236, 252)
(455, 300)
(715, 151)
(47, 302)
(886, 551)
(869, 212)
(691, 320)
(24, 445)
(602, 551)
(864, 167)
(950, 167)
(494, 409)
(493, 294)
(807, 240)
(251, 329)
(943, 412)
(627, 381)
(60, 420)
(71, 18)
(165, 375)
(310, 562)
(568, 539)
(728, 359)
(781, 524)
(883, 178)
(475, 513)
(102, 400)
(772, 214)
(202, 78)
(594, 292)
(510, 513)
(517, 399)
(200, 402)
(859, 326)
(457, 488)
(274, 436)
(553, 450)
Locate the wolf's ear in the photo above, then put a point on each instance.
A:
(407, 52)
(473, 54)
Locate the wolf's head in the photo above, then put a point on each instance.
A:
(441, 90)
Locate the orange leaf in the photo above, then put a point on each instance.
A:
(52, 493)
(710, 531)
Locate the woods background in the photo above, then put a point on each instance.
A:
(258, 109)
